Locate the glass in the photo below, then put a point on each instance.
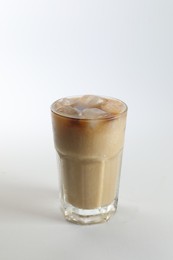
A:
(90, 154)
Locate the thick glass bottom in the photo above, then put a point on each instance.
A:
(89, 216)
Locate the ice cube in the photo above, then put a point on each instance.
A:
(90, 101)
(112, 106)
(57, 106)
(69, 111)
(64, 102)
(67, 101)
(93, 113)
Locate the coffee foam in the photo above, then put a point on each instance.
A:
(88, 107)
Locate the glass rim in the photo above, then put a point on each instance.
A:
(88, 119)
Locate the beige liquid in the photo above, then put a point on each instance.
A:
(90, 152)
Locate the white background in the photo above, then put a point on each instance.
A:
(50, 49)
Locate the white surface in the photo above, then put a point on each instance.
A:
(50, 49)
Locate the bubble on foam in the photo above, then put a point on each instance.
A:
(93, 113)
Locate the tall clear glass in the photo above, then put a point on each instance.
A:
(90, 154)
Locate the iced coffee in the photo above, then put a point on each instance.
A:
(89, 136)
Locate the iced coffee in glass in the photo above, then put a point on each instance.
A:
(89, 136)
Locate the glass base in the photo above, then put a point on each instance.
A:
(89, 216)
